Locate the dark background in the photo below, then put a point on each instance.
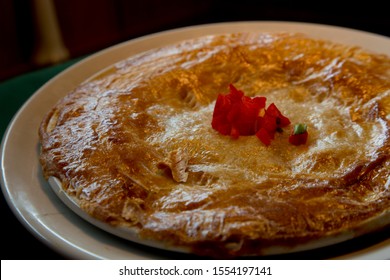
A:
(88, 26)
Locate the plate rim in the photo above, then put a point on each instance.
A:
(49, 237)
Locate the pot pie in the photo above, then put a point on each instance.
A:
(134, 145)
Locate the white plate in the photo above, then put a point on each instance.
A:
(38, 207)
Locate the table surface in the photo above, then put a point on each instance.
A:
(13, 94)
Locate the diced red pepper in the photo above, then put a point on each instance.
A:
(281, 120)
(264, 136)
(269, 122)
(299, 135)
(235, 114)
(238, 115)
(298, 139)
(272, 121)
(234, 132)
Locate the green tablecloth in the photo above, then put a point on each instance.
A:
(14, 92)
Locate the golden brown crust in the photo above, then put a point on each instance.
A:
(136, 148)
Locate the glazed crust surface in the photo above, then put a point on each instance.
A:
(134, 145)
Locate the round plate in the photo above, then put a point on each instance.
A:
(39, 208)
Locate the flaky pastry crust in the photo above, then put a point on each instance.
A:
(135, 145)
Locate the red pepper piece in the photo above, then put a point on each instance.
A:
(235, 114)
(298, 139)
(264, 136)
(234, 132)
(269, 123)
(281, 121)
(299, 135)
(235, 94)
(272, 121)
